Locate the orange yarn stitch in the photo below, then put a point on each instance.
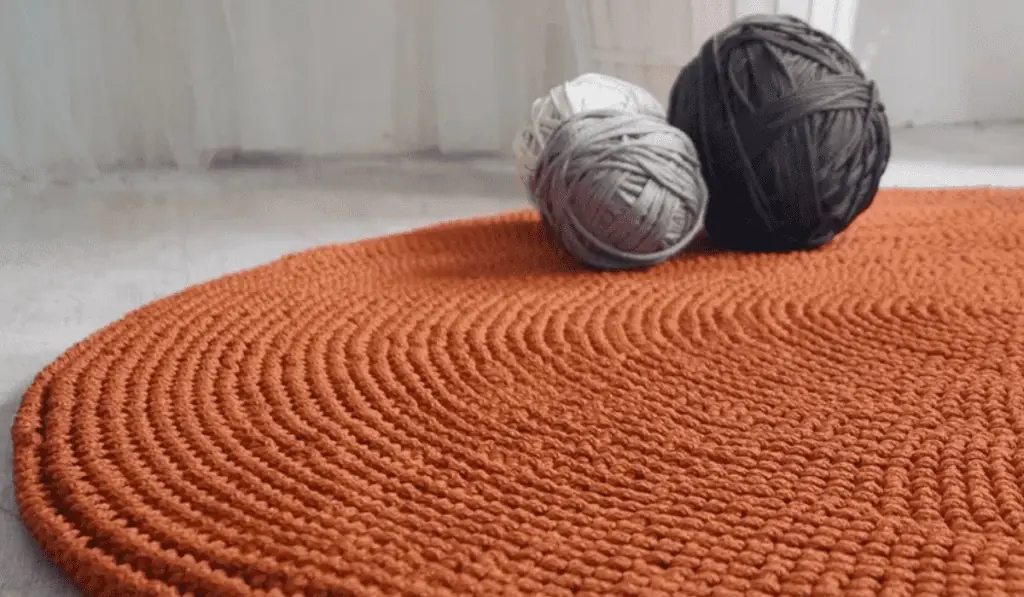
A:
(459, 411)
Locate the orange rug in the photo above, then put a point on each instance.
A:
(456, 411)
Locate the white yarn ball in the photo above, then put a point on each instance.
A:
(587, 92)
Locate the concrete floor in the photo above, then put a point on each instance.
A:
(75, 257)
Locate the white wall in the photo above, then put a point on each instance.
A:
(944, 61)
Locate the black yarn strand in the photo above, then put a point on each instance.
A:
(792, 135)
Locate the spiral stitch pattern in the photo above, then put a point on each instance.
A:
(459, 410)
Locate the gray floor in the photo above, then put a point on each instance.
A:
(75, 257)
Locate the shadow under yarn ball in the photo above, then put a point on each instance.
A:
(792, 136)
(619, 189)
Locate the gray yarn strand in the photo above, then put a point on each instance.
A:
(589, 91)
(620, 190)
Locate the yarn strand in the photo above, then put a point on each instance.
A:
(620, 190)
(792, 136)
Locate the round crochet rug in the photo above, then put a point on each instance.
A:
(458, 411)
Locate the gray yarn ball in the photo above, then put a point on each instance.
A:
(620, 190)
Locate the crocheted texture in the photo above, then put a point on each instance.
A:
(457, 411)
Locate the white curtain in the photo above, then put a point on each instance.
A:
(91, 85)
(647, 41)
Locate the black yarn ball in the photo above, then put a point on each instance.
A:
(792, 136)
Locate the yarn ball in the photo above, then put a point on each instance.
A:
(589, 91)
(792, 136)
(620, 190)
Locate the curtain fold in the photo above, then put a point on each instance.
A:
(91, 85)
